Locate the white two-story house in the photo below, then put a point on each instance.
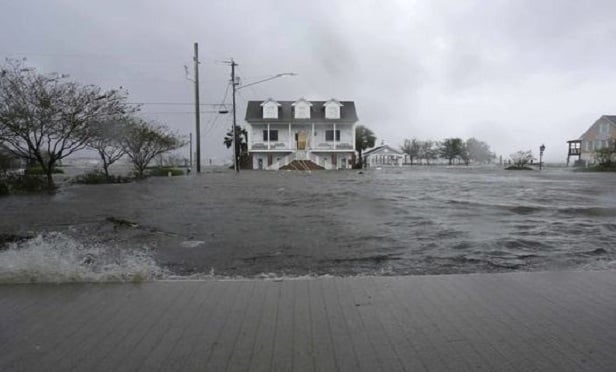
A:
(313, 134)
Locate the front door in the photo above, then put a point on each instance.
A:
(301, 140)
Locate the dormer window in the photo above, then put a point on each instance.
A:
(270, 109)
(332, 109)
(301, 109)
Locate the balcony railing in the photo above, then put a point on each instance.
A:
(281, 146)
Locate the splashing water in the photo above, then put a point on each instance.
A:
(57, 258)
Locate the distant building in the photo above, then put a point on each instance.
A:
(301, 134)
(383, 155)
(600, 135)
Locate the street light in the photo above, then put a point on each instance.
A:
(236, 87)
(541, 150)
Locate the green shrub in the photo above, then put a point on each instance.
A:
(97, 178)
(164, 172)
(4, 188)
(17, 183)
(38, 171)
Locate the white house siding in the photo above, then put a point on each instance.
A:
(343, 160)
(260, 160)
(383, 156)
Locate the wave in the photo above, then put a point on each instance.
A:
(57, 258)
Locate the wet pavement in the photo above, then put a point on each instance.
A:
(548, 321)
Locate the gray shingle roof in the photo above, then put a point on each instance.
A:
(254, 112)
(611, 118)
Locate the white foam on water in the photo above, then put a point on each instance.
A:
(57, 258)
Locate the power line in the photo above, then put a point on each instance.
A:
(178, 112)
(213, 121)
(173, 103)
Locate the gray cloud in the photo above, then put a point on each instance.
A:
(514, 73)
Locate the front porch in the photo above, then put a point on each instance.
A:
(327, 159)
(301, 137)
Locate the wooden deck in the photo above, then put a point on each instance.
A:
(552, 321)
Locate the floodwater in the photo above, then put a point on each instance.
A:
(392, 221)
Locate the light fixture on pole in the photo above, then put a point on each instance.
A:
(235, 85)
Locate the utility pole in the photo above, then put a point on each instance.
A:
(197, 117)
(235, 155)
(190, 154)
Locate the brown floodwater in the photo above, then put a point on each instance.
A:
(393, 221)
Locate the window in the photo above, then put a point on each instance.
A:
(329, 135)
(302, 112)
(273, 135)
(332, 112)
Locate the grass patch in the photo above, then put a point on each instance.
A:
(514, 167)
(38, 171)
(165, 171)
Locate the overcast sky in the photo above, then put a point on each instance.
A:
(514, 73)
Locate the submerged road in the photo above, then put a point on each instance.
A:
(548, 321)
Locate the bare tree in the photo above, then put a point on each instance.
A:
(521, 159)
(412, 148)
(428, 151)
(45, 118)
(143, 141)
(106, 141)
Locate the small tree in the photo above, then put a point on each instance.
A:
(241, 144)
(106, 138)
(412, 148)
(521, 159)
(143, 141)
(364, 139)
(451, 148)
(44, 118)
(479, 151)
(428, 151)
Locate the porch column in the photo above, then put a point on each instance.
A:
(334, 136)
(268, 136)
(289, 139)
(353, 129)
(311, 136)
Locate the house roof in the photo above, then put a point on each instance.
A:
(610, 118)
(302, 100)
(383, 148)
(268, 101)
(254, 112)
